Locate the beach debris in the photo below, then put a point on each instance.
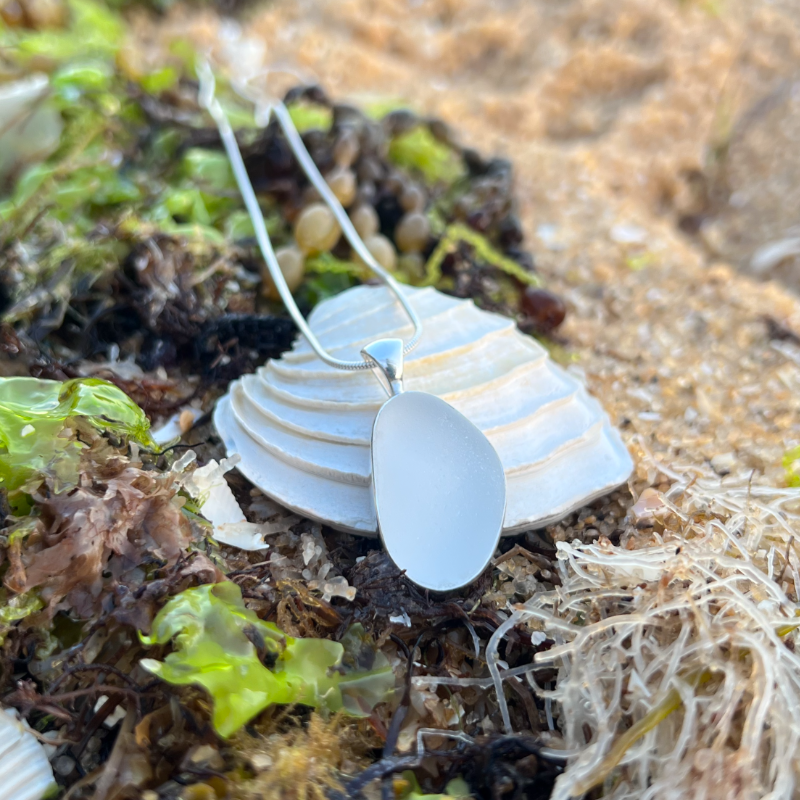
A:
(221, 644)
(707, 703)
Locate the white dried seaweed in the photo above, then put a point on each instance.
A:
(677, 676)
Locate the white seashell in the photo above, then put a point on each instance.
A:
(25, 772)
(302, 428)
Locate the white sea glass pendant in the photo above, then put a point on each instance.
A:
(438, 484)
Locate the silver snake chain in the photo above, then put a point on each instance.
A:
(208, 100)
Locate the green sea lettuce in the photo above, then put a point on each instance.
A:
(94, 31)
(33, 418)
(15, 608)
(419, 151)
(222, 646)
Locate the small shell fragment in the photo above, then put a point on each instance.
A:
(178, 424)
(218, 505)
(25, 772)
(303, 428)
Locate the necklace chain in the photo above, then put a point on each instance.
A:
(211, 104)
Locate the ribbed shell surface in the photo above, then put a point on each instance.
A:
(25, 772)
(303, 428)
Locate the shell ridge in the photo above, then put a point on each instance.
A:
(574, 443)
(442, 319)
(318, 452)
(313, 467)
(421, 302)
(547, 485)
(380, 300)
(299, 400)
(576, 396)
(417, 359)
(293, 488)
(472, 401)
(340, 303)
(318, 433)
(566, 410)
(498, 382)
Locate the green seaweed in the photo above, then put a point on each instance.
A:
(94, 31)
(410, 789)
(310, 116)
(328, 263)
(457, 234)
(33, 419)
(418, 150)
(791, 463)
(107, 185)
(220, 645)
(327, 276)
(15, 608)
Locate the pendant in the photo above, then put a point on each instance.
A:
(437, 483)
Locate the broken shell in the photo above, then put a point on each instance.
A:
(24, 768)
(302, 428)
(207, 485)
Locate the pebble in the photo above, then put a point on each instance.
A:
(199, 791)
(396, 183)
(63, 766)
(316, 229)
(261, 761)
(292, 264)
(413, 198)
(365, 220)
(369, 169)
(545, 309)
(627, 233)
(343, 185)
(382, 251)
(412, 232)
(346, 149)
(550, 237)
(442, 132)
(367, 193)
(311, 195)
(723, 463)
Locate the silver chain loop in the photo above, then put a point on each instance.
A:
(207, 99)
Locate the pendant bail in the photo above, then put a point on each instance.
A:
(386, 357)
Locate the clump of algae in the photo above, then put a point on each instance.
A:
(34, 432)
(305, 763)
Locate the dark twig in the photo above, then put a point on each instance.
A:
(381, 769)
(91, 668)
